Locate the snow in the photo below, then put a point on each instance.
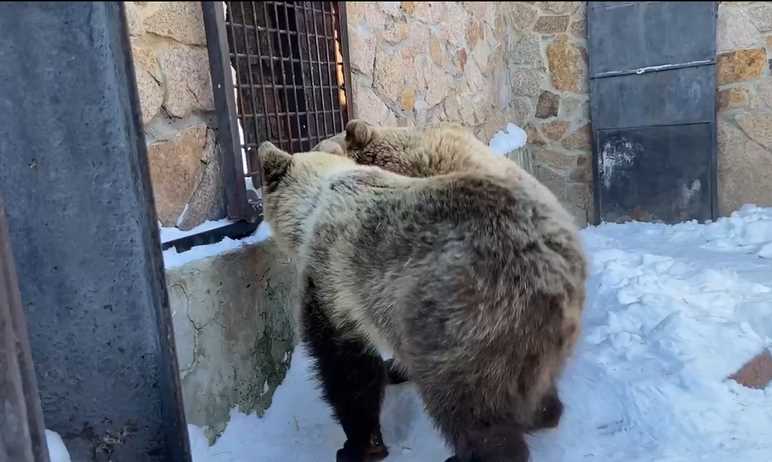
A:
(174, 259)
(504, 142)
(766, 251)
(57, 452)
(263, 232)
(172, 233)
(671, 312)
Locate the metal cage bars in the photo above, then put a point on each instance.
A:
(286, 79)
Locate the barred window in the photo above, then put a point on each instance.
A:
(280, 73)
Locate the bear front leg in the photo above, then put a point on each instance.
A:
(353, 380)
(549, 412)
(491, 444)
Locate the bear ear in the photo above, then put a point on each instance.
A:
(274, 165)
(359, 133)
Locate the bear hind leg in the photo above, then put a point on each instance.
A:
(353, 380)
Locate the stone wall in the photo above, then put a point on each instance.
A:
(744, 104)
(482, 64)
(175, 90)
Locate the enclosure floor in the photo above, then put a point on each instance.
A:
(671, 312)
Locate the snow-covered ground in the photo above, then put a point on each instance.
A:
(671, 312)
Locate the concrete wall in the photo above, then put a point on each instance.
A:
(233, 330)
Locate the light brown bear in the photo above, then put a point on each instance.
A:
(421, 152)
(472, 276)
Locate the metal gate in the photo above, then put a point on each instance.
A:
(653, 86)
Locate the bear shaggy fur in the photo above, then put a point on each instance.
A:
(433, 150)
(467, 270)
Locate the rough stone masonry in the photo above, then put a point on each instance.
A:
(482, 64)
(172, 70)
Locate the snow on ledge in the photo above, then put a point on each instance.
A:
(504, 142)
(174, 259)
(169, 234)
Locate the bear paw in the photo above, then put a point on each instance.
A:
(375, 451)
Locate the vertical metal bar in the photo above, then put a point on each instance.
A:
(714, 211)
(238, 116)
(260, 75)
(596, 190)
(225, 105)
(332, 75)
(273, 75)
(319, 67)
(275, 48)
(294, 83)
(343, 31)
(87, 251)
(338, 48)
(249, 73)
(22, 433)
(311, 71)
(329, 35)
(232, 58)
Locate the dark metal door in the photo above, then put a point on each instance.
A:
(653, 86)
(83, 229)
(22, 436)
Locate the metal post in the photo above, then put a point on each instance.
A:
(22, 437)
(225, 103)
(83, 228)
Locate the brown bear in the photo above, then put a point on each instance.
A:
(468, 271)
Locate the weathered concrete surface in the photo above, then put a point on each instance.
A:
(233, 325)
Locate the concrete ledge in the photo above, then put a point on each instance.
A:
(234, 331)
